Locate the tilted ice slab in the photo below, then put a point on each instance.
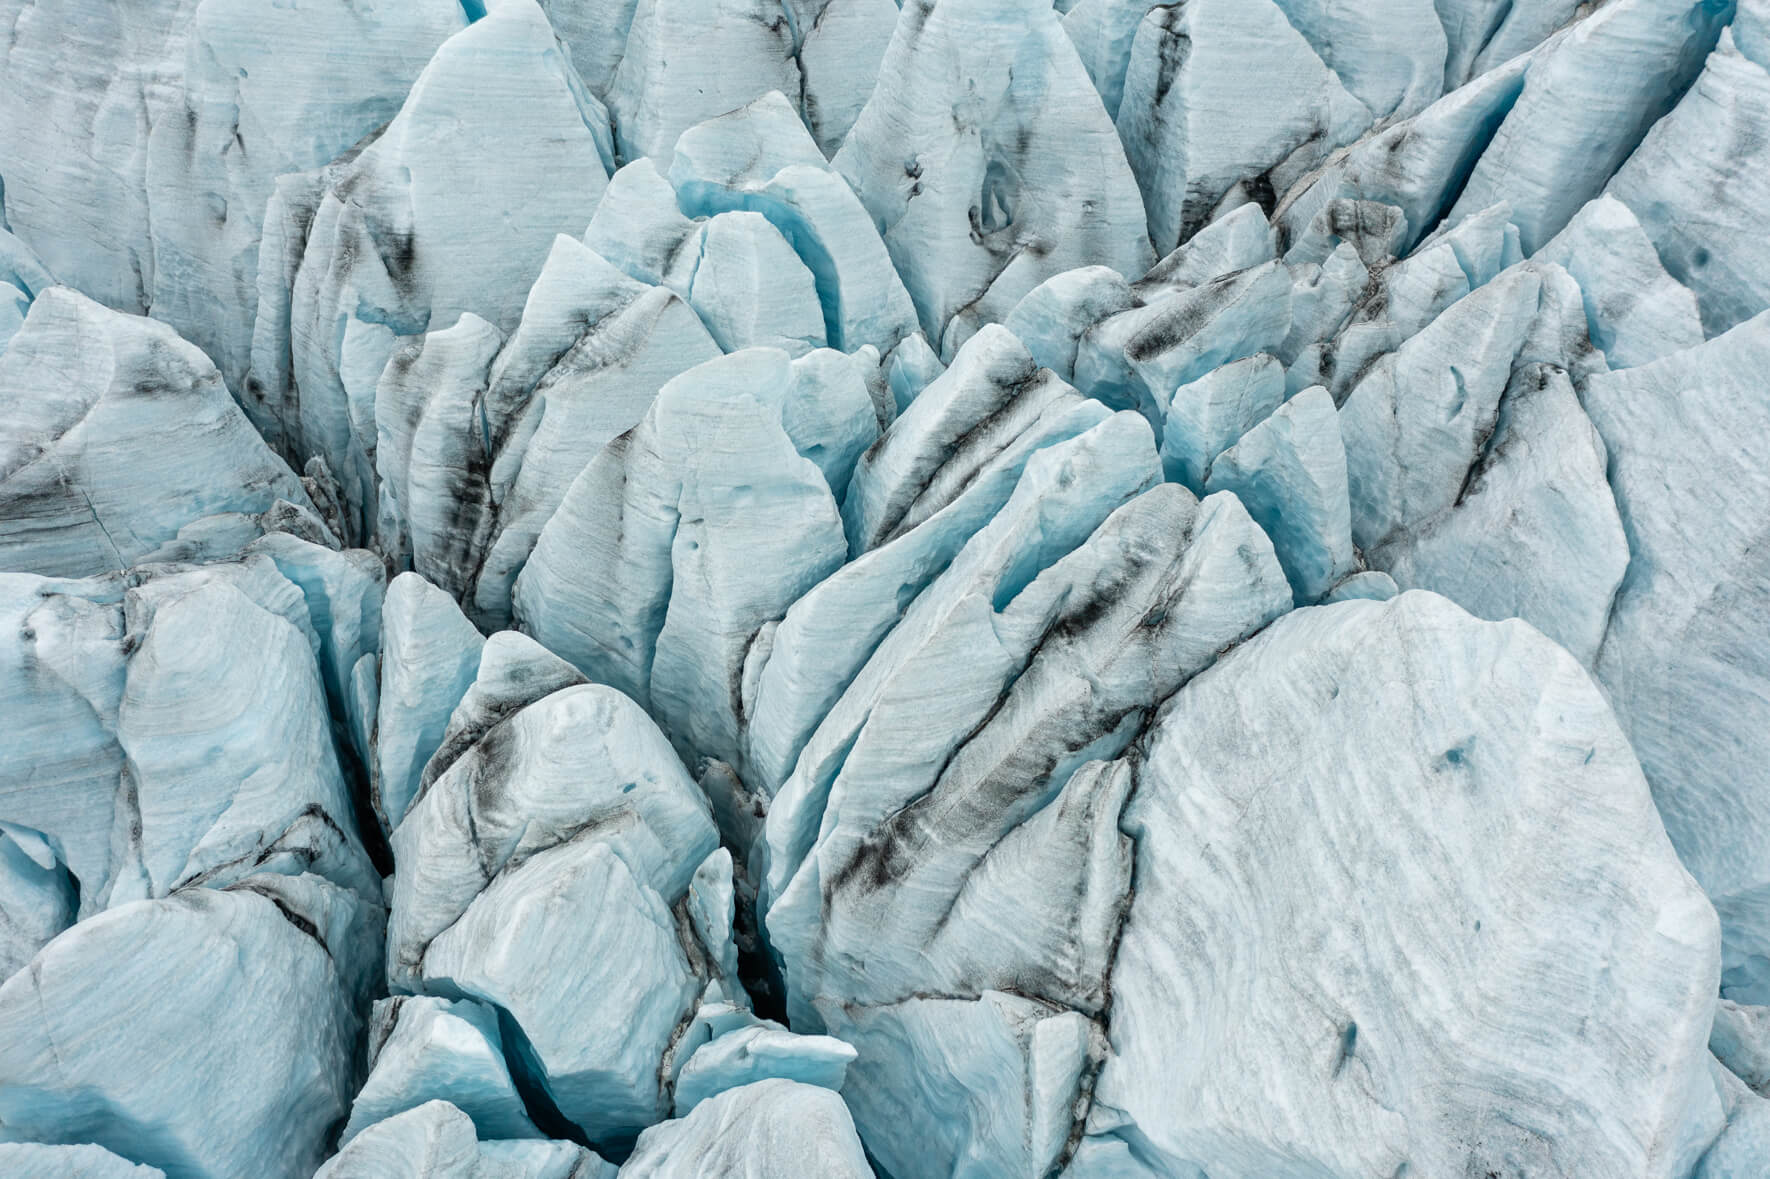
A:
(1588, 98)
(185, 724)
(255, 982)
(1339, 955)
(978, 827)
(423, 1049)
(1694, 184)
(1637, 312)
(740, 272)
(430, 654)
(1685, 437)
(451, 208)
(993, 165)
(570, 803)
(437, 1141)
(728, 1047)
(156, 134)
(686, 62)
(118, 436)
(938, 474)
(1005, 1072)
(774, 1127)
(683, 63)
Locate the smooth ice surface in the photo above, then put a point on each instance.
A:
(30, 1160)
(429, 654)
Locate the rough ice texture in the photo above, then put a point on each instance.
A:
(118, 436)
(1685, 626)
(1455, 1007)
(244, 978)
(752, 588)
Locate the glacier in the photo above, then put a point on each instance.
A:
(943, 589)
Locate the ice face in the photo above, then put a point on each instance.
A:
(201, 106)
(773, 1127)
(262, 1001)
(993, 166)
(824, 588)
(437, 1140)
(1332, 1066)
(422, 1046)
(89, 382)
(1668, 644)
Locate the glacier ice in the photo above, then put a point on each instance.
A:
(982, 1085)
(406, 230)
(686, 61)
(422, 1045)
(263, 1009)
(980, 588)
(1198, 123)
(39, 897)
(32, 1160)
(1339, 1067)
(771, 1127)
(1740, 1040)
(998, 169)
(167, 126)
(732, 1048)
(1636, 311)
(87, 383)
(1707, 244)
(430, 656)
(1289, 471)
(1587, 99)
(436, 1140)
(199, 745)
(1685, 624)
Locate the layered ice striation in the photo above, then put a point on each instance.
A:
(735, 588)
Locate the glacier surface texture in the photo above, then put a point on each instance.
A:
(857, 589)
